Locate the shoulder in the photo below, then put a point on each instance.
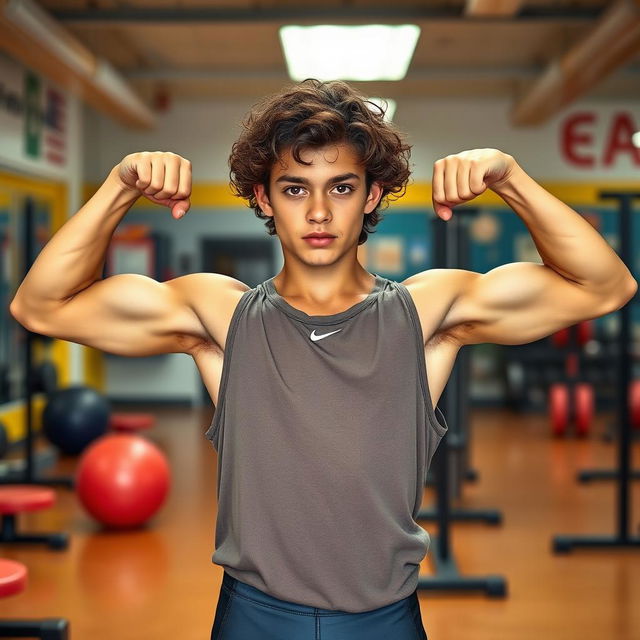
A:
(441, 280)
(203, 284)
(212, 297)
(434, 293)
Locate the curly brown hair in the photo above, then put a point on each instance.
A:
(311, 114)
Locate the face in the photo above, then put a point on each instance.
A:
(327, 196)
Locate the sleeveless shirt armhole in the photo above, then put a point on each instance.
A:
(212, 432)
(440, 427)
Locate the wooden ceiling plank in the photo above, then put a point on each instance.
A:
(492, 8)
(93, 81)
(614, 40)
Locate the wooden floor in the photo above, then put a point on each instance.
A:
(159, 583)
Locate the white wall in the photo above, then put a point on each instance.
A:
(201, 131)
(204, 132)
(444, 127)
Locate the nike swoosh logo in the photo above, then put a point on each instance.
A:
(315, 337)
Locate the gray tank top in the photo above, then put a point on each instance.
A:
(325, 431)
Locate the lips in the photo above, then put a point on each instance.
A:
(319, 241)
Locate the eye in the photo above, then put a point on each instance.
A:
(343, 193)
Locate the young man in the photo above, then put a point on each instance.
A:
(325, 420)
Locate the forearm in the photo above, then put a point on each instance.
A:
(73, 258)
(566, 242)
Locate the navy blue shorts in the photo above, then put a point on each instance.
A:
(246, 613)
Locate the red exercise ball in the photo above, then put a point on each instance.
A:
(122, 480)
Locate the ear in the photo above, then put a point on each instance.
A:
(373, 198)
(262, 200)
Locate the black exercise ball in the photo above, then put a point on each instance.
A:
(74, 417)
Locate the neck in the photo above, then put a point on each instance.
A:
(320, 286)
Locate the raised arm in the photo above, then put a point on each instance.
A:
(514, 303)
(581, 276)
(133, 315)
(64, 296)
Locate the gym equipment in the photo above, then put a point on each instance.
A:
(5, 383)
(13, 580)
(29, 472)
(122, 480)
(634, 403)
(572, 399)
(448, 250)
(622, 538)
(4, 440)
(562, 338)
(45, 378)
(22, 498)
(584, 400)
(459, 442)
(74, 417)
(128, 422)
(528, 370)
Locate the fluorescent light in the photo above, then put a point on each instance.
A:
(344, 52)
(387, 105)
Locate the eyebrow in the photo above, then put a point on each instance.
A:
(299, 180)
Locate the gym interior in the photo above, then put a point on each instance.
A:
(532, 500)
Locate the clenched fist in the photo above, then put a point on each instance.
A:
(461, 177)
(161, 176)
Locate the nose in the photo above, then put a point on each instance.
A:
(319, 210)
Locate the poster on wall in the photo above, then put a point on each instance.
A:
(33, 118)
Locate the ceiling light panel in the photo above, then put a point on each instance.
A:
(345, 52)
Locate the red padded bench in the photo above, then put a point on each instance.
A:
(15, 499)
(131, 421)
(13, 580)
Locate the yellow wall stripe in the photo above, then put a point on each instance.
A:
(417, 195)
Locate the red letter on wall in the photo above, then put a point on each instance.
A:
(571, 138)
(620, 140)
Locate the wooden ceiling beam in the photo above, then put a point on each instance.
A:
(492, 8)
(48, 48)
(614, 40)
